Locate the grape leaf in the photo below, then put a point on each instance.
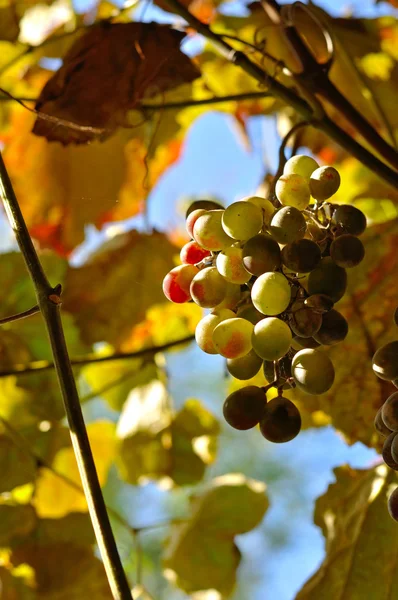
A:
(361, 540)
(202, 552)
(13, 588)
(9, 22)
(15, 522)
(96, 292)
(16, 467)
(107, 72)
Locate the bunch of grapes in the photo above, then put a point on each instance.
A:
(385, 366)
(271, 274)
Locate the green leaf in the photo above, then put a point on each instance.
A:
(96, 293)
(16, 466)
(15, 522)
(13, 588)
(361, 538)
(202, 552)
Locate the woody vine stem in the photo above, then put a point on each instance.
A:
(48, 301)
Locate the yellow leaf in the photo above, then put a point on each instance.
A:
(377, 65)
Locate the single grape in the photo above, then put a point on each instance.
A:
(208, 288)
(313, 371)
(244, 408)
(261, 254)
(319, 303)
(298, 343)
(393, 504)
(304, 322)
(271, 338)
(209, 233)
(281, 422)
(176, 284)
(244, 367)
(288, 225)
(232, 337)
(385, 361)
(293, 190)
(347, 251)
(394, 449)
(205, 327)
(266, 206)
(395, 382)
(242, 220)
(301, 256)
(389, 412)
(230, 265)
(284, 367)
(379, 424)
(329, 279)
(192, 218)
(300, 165)
(232, 296)
(203, 205)
(192, 253)
(250, 313)
(350, 219)
(396, 317)
(324, 182)
(334, 328)
(386, 452)
(271, 293)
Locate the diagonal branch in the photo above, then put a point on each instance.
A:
(47, 299)
(287, 95)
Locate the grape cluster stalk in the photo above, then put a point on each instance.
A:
(385, 366)
(271, 276)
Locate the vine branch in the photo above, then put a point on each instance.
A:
(50, 310)
(45, 365)
(288, 96)
(22, 315)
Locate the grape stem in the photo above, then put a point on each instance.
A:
(302, 106)
(22, 315)
(48, 300)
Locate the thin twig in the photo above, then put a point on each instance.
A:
(45, 365)
(22, 315)
(51, 313)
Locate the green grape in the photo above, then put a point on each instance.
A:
(293, 190)
(298, 343)
(208, 288)
(319, 302)
(315, 232)
(350, 219)
(386, 452)
(266, 206)
(205, 327)
(271, 338)
(230, 265)
(250, 313)
(393, 504)
(281, 422)
(394, 449)
(385, 361)
(232, 337)
(244, 408)
(204, 205)
(324, 182)
(301, 256)
(284, 367)
(288, 225)
(244, 367)
(261, 254)
(313, 371)
(271, 293)
(379, 424)
(347, 251)
(232, 296)
(300, 165)
(242, 220)
(304, 322)
(209, 233)
(329, 279)
(389, 412)
(334, 328)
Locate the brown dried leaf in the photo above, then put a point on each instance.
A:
(107, 72)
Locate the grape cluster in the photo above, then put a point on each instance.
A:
(385, 366)
(271, 274)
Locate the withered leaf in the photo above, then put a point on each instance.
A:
(107, 72)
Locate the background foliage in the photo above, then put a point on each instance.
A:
(180, 494)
